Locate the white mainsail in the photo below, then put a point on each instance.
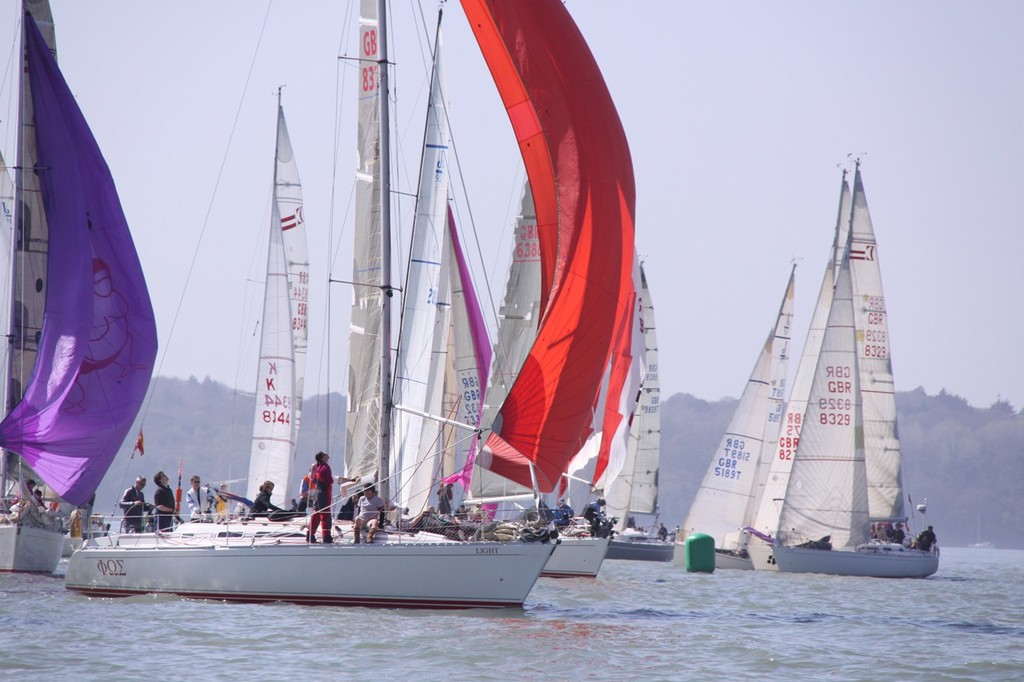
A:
(419, 369)
(279, 375)
(766, 519)
(874, 357)
(636, 489)
(727, 497)
(827, 492)
(362, 440)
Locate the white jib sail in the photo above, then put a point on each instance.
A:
(425, 306)
(827, 492)
(766, 519)
(725, 500)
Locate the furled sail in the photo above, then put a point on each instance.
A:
(98, 339)
(362, 449)
(581, 176)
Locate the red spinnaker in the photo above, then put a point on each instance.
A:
(581, 174)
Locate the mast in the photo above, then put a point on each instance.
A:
(31, 238)
(385, 248)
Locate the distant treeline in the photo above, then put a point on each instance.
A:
(968, 462)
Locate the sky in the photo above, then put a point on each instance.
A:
(739, 116)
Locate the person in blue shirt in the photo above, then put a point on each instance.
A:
(595, 515)
(563, 514)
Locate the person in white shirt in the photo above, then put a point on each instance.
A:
(199, 502)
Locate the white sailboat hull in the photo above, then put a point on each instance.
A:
(761, 556)
(30, 550)
(731, 561)
(395, 574)
(875, 561)
(577, 558)
(640, 549)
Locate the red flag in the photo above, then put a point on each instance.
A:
(139, 445)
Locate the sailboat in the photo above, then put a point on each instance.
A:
(635, 490)
(84, 336)
(766, 518)
(846, 474)
(426, 570)
(732, 487)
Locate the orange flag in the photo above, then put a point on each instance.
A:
(139, 445)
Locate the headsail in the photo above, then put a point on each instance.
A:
(581, 175)
(726, 499)
(827, 492)
(766, 520)
(419, 374)
(98, 341)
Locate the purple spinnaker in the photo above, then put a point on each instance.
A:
(98, 339)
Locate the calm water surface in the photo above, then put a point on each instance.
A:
(636, 618)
